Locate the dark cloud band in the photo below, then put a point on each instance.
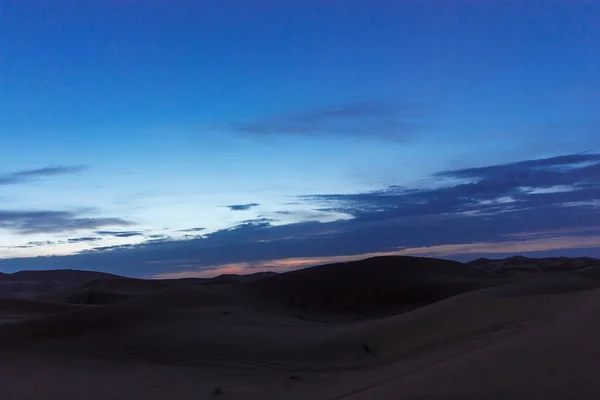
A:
(30, 222)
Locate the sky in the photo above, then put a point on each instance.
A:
(192, 138)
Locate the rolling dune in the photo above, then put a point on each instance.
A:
(382, 328)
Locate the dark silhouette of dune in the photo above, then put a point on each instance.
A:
(111, 290)
(385, 328)
(20, 306)
(234, 278)
(373, 286)
(40, 283)
(526, 264)
(90, 296)
(591, 272)
(66, 324)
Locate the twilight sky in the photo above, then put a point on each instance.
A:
(192, 138)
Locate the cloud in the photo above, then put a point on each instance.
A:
(524, 185)
(542, 173)
(83, 240)
(45, 243)
(553, 232)
(159, 237)
(32, 244)
(192, 230)
(30, 222)
(120, 234)
(507, 247)
(18, 177)
(40, 243)
(367, 118)
(498, 209)
(242, 207)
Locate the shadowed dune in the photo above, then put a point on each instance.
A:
(556, 357)
(233, 278)
(45, 283)
(375, 286)
(14, 309)
(545, 285)
(25, 306)
(112, 290)
(382, 328)
(591, 272)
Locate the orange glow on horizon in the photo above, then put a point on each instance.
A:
(288, 264)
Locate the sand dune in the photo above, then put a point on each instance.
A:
(376, 286)
(383, 328)
(556, 358)
(45, 283)
(111, 290)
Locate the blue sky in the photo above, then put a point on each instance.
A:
(126, 126)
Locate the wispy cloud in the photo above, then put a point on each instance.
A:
(498, 188)
(83, 240)
(526, 169)
(507, 247)
(120, 234)
(554, 232)
(32, 244)
(192, 230)
(242, 207)
(367, 118)
(41, 243)
(30, 222)
(25, 176)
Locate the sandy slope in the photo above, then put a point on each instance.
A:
(555, 358)
(243, 338)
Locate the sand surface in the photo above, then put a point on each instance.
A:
(394, 328)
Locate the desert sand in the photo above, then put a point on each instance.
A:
(382, 328)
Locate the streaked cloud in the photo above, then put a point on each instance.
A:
(367, 118)
(491, 189)
(83, 240)
(29, 175)
(554, 232)
(120, 234)
(49, 221)
(192, 230)
(242, 207)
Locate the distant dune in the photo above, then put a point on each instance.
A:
(36, 283)
(381, 328)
